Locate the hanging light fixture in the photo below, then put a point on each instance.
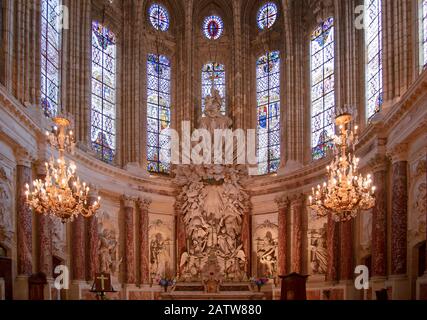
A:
(61, 193)
(346, 192)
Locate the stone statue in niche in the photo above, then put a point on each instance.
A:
(6, 225)
(266, 248)
(317, 250)
(109, 261)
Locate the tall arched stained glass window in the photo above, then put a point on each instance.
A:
(103, 110)
(213, 27)
(374, 74)
(213, 77)
(50, 56)
(322, 88)
(423, 32)
(267, 16)
(158, 113)
(268, 112)
(159, 17)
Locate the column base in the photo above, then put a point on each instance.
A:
(422, 287)
(136, 169)
(375, 284)
(21, 290)
(2, 290)
(142, 292)
(350, 291)
(398, 287)
(79, 290)
(289, 167)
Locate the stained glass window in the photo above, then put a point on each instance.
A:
(267, 16)
(103, 111)
(374, 79)
(159, 17)
(213, 77)
(50, 56)
(268, 112)
(423, 31)
(213, 27)
(158, 113)
(322, 50)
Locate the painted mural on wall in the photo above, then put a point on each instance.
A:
(6, 223)
(266, 246)
(160, 239)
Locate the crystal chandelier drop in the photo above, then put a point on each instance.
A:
(346, 192)
(60, 193)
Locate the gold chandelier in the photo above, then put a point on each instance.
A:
(60, 193)
(346, 192)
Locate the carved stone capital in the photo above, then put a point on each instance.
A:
(378, 163)
(398, 153)
(41, 168)
(24, 158)
(128, 201)
(298, 200)
(282, 201)
(144, 203)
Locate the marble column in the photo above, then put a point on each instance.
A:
(283, 204)
(24, 219)
(92, 248)
(346, 249)
(45, 234)
(180, 233)
(399, 212)
(128, 208)
(78, 249)
(144, 248)
(379, 218)
(332, 234)
(246, 238)
(297, 206)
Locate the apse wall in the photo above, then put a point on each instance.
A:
(137, 205)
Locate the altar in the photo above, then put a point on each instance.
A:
(226, 291)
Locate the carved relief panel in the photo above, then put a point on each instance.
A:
(108, 244)
(265, 241)
(6, 208)
(161, 249)
(317, 250)
(417, 201)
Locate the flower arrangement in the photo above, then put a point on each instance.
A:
(166, 282)
(259, 282)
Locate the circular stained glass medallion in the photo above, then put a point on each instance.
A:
(213, 27)
(159, 17)
(267, 16)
